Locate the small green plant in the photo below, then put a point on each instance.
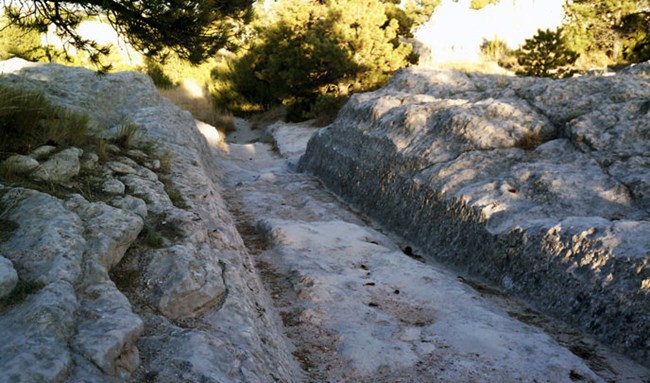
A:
(166, 161)
(176, 197)
(102, 150)
(125, 135)
(530, 140)
(152, 237)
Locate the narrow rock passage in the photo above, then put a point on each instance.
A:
(358, 309)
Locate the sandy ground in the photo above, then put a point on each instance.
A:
(358, 309)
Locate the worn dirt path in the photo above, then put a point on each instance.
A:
(358, 309)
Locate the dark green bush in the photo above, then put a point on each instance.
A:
(546, 55)
(310, 48)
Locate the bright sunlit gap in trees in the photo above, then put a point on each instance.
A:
(456, 32)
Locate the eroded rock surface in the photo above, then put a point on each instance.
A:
(65, 314)
(133, 285)
(358, 308)
(8, 277)
(538, 185)
(60, 167)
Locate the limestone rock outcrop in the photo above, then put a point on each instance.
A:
(126, 274)
(61, 167)
(541, 186)
(66, 314)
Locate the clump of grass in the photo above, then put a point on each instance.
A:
(125, 135)
(102, 150)
(68, 128)
(166, 161)
(28, 120)
(174, 194)
(152, 237)
(530, 140)
(176, 197)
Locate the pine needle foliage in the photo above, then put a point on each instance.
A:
(194, 29)
(607, 28)
(312, 50)
(546, 55)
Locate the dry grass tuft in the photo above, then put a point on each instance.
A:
(529, 141)
(485, 66)
(126, 134)
(198, 101)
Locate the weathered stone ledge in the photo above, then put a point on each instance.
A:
(540, 186)
(85, 300)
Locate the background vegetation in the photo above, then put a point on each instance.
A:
(308, 55)
(595, 34)
(194, 29)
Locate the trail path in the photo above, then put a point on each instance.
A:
(358, 309)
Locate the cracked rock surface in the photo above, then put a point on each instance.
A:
(133, 270)
(537, 185)
(359, 309)
(134, 286)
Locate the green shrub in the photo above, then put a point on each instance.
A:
(17, 42)
(546, 55)
(598, 28)
(636, 34)
(173, 70)
(409, 14)
(152, 237)
(158, 75)
(311, 47)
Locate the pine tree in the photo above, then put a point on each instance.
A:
(319, 49)
(546, 55)
(194, 29)
(594, 26)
